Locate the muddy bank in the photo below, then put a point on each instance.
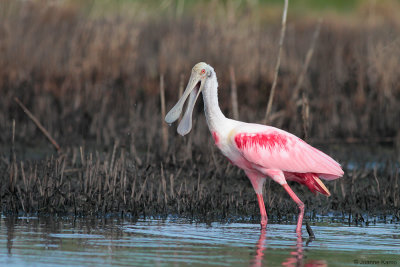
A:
(189, 181)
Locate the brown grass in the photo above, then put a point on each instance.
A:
(83, 75)
(93, 82)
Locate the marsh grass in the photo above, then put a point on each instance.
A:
(197, 186)
(94, 81)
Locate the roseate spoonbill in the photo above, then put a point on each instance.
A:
(261, 151)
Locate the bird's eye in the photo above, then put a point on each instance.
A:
(203, 71)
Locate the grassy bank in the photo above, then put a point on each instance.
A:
(190, 180)
(92, 79)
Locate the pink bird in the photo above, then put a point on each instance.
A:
(261, 151)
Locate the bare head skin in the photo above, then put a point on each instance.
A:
(200, 72)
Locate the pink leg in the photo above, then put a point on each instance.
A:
(299, 203)
(264, 217)
(257, 180)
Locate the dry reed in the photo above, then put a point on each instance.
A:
(111, 182)
(278, 62)
(82, 85)
(93, 82)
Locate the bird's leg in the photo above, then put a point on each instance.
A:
(257, 181)
(299, 203)
(264, 217)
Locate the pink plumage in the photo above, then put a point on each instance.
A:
(261, 151)
(265, 151)
(272, 148)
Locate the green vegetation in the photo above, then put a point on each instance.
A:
(304, 7)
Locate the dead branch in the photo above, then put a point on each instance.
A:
(309, 55)
(38, 124)
(278, 62)
(235, 109)
(164, 125)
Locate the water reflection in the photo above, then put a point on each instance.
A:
(10, 222)
(50, 233)
(296, 257)
(257, 261)
(91, 242)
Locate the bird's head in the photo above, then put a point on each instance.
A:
(200, 73)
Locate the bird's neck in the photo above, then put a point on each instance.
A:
(215, 117)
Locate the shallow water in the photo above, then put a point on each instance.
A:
(64, 242)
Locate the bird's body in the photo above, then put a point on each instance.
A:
(261, 151)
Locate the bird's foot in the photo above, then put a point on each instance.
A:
(264, 221)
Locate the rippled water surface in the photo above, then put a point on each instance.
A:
(66, 242)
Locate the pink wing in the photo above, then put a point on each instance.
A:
(272, 148)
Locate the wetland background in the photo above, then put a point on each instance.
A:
(91, 71)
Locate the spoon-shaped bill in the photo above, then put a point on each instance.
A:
(185, 125)
(176, 111)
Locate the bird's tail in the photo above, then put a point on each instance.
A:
(312, 181)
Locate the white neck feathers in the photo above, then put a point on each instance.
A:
(215, 117)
